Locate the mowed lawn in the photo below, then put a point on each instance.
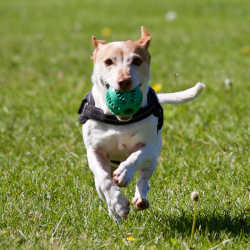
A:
(47, 193)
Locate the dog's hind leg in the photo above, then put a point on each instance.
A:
(118, 205)
(140, 201)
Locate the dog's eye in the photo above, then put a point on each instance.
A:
(137, 61)
(108, 62)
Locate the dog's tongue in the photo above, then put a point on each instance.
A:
(124, 118)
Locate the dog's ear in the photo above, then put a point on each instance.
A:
(145, 39)
(96, 44)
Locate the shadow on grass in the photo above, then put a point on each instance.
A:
(212, 224)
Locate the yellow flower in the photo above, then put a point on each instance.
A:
(131, 238)
(4, 232)
(157, 87)
(106, 31)
(246, 51)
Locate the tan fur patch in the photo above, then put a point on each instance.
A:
(108, 50)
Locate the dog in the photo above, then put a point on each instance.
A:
(116, 146)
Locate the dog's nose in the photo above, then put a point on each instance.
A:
(125, 84)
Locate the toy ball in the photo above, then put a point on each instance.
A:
(125, 103)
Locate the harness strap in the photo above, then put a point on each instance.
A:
(88, 111)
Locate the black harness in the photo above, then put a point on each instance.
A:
(88, 111)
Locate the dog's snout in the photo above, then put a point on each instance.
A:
(125, 84)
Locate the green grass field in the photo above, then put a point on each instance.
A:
(47, 194)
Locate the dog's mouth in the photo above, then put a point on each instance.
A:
(105, 83)
(124, 118)
(123, 104)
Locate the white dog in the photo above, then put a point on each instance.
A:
(131, 143)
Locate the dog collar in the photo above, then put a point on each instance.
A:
(88, 111)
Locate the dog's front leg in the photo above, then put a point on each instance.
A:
(140, 201)
(144, 160)
(109, 192)
(141, 158)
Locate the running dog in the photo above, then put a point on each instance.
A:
(118, 146)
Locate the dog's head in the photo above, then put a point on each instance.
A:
(122, 65)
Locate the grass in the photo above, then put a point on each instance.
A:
(47, 193)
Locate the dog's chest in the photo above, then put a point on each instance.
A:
(118, 142)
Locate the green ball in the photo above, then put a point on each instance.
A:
(125, 103)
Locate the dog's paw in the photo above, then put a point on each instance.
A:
(140, 204)
(119, 208)
(123, 175)
(123, 209)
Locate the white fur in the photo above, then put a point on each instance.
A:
(105, 142)
(136, 145)
(181, 96)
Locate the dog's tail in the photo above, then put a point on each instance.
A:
(181, 96)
